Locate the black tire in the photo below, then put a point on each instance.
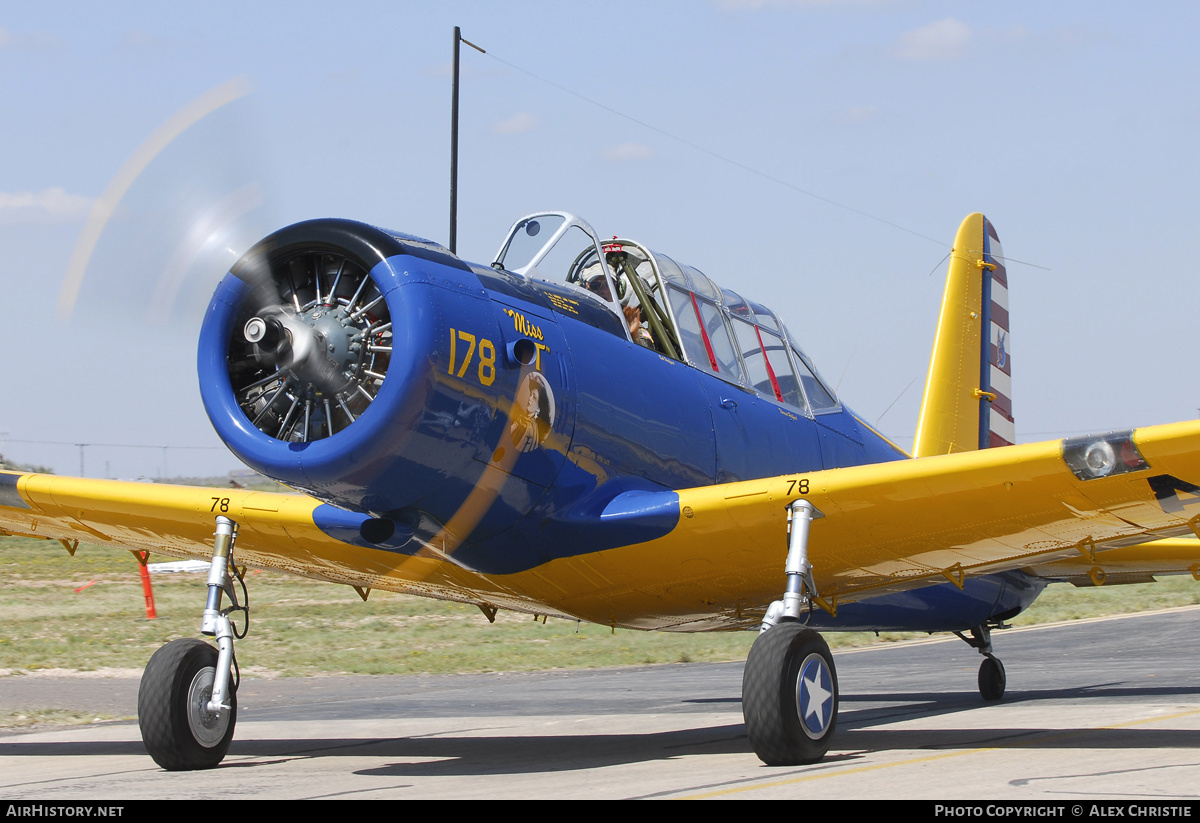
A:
(991, 678)
(788, 666)
(178, 732)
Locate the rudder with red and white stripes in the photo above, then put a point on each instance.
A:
(996, 417)
(968, 394)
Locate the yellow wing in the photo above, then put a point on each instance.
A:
(895, 526)
(274, 531)
(885, 528)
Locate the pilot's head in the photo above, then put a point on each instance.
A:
(597, 284)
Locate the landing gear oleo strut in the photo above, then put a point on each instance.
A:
(789, 689)
(187, 701)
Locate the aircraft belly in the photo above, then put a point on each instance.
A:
(937, 608)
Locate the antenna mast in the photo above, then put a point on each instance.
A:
(458, 38)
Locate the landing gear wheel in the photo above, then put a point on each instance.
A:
(991, 678)
(790, 696)
(177, 728)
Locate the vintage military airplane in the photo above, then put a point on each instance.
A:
(592, 430)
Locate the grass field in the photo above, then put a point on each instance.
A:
(86, 614)
(301, 627)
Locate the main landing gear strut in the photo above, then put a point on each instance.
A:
(789, 689)
(187, 701)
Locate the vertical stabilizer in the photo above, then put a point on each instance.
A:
(968, 394)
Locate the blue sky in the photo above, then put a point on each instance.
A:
(1072, 125)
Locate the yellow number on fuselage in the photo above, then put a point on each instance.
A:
(487, 356)
(470, 338)
(487, 362)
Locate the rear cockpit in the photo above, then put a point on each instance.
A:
(670, 308)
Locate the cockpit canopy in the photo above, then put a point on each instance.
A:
(672, 308)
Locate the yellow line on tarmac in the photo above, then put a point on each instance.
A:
(834, 772)
(839, 773)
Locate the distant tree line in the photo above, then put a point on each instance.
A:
(7, 465)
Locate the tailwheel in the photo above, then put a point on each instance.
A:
(790, 695)
(991, 678)
(179, 730)
(991, 671)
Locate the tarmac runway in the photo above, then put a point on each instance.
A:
(1103, 709)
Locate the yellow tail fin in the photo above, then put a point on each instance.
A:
(968, 394)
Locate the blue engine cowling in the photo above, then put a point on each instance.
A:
(317, 367)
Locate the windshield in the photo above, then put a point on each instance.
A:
(527, 238)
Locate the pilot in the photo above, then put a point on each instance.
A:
(597, 284)
(639, 331)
